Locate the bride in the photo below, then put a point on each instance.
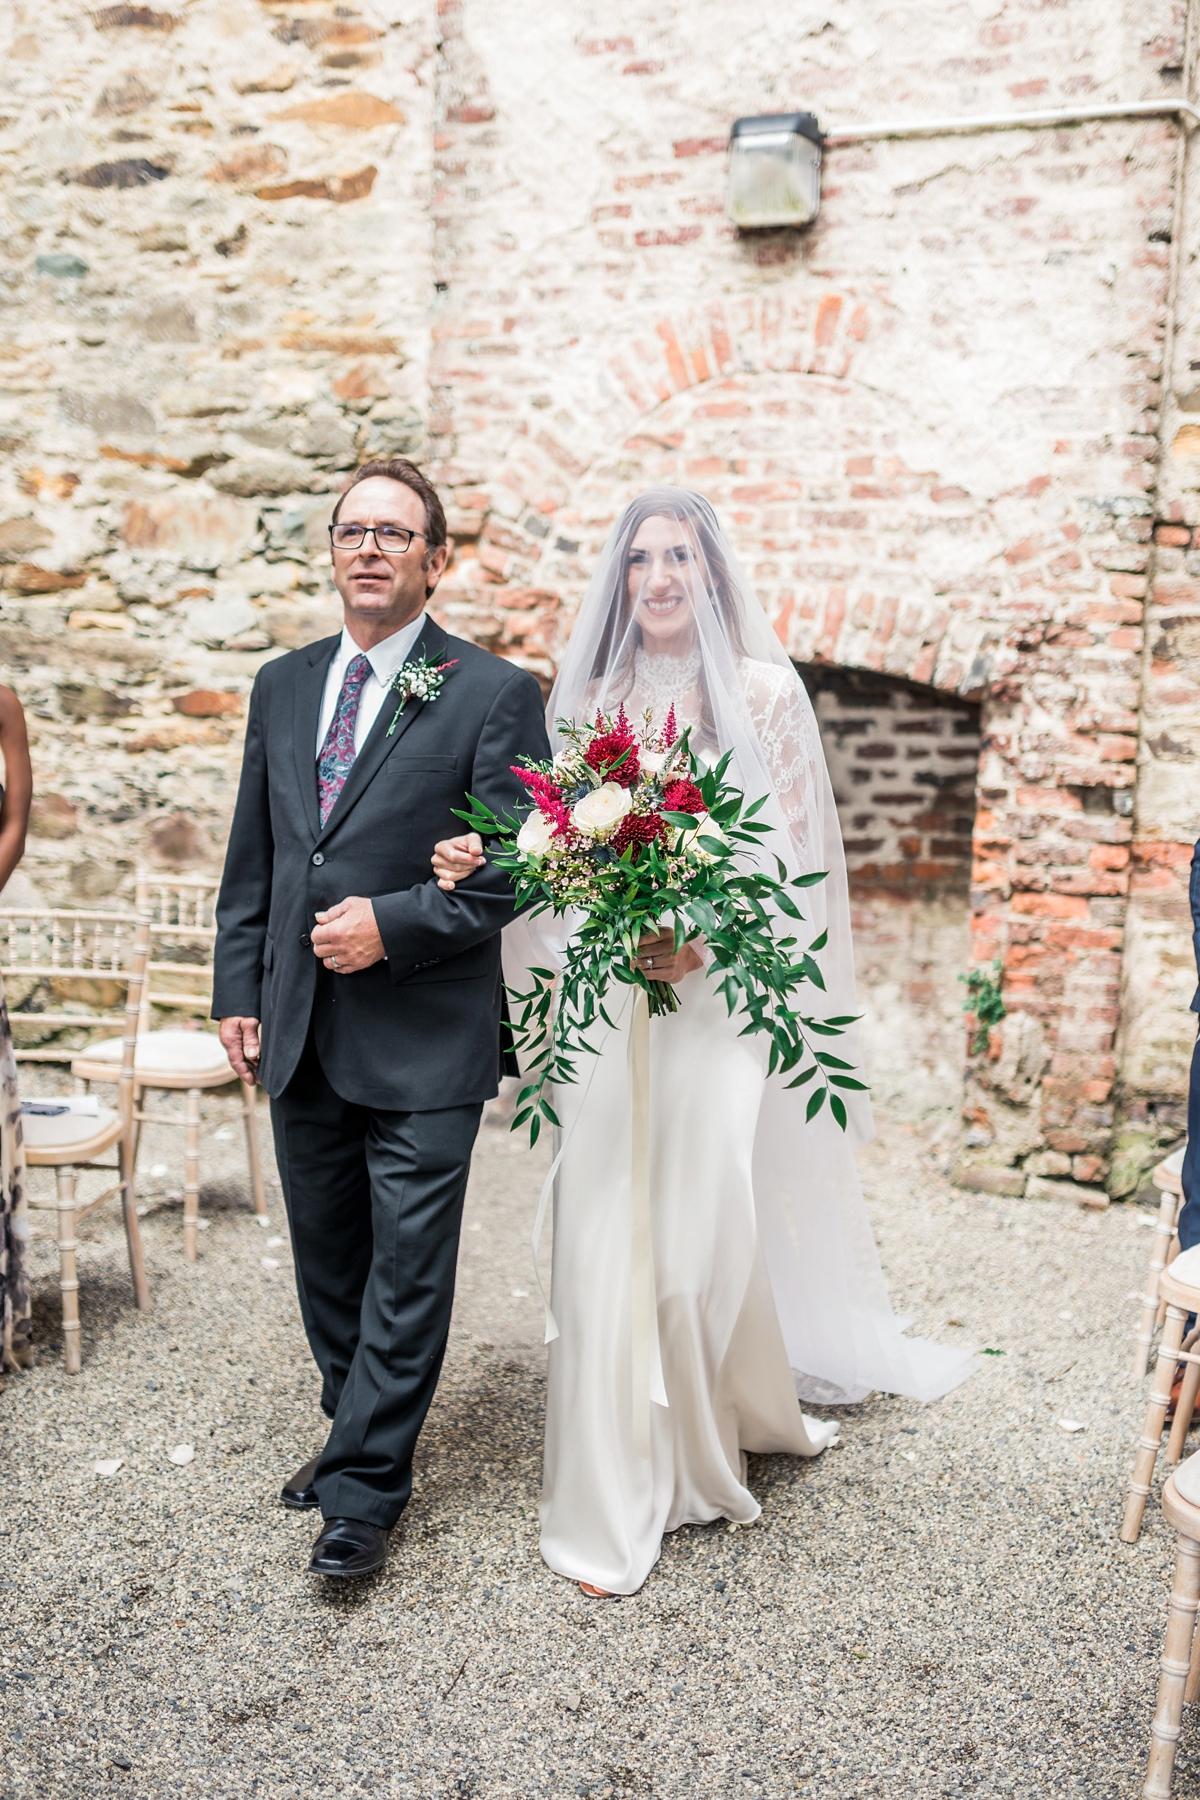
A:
(765, 1273)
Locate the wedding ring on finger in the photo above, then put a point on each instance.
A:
(333, 962)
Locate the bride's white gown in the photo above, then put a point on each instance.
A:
(725, 1368)
(766, 1275)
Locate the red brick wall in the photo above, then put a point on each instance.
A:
(903, 763)
(928, 422)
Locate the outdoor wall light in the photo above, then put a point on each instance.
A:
(774, 171)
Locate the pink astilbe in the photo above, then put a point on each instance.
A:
(670, 731)
(545, 791)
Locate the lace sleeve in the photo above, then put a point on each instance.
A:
(787, 731)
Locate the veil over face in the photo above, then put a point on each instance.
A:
(670, 618)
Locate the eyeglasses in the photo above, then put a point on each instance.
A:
(390, 540)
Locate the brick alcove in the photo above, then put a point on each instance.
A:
(903, 760)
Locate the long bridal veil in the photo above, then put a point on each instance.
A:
(736, 686)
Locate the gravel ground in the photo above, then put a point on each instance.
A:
(939, 1606)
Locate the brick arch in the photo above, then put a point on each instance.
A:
(863, 553)
(859, 557)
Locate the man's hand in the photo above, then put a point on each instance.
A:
(347, 938)
(241, 1043)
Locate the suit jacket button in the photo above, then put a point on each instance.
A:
(318, 859)
(304, 938)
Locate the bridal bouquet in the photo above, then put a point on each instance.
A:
(633, 831)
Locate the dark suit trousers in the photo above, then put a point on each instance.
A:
(374, 1202)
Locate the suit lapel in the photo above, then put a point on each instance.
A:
(310, 686)
(432, 645)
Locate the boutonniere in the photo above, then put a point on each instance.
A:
(419, 680)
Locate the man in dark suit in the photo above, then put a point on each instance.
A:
(365, 999)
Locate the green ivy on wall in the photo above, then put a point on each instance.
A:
(985, 1001)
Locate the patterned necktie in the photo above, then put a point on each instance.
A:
(337, 752)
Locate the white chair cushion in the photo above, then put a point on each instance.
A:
(75, 1125)
(1187, 1479)
(171, 1052)
(1173, 1165)
(1186, 1267)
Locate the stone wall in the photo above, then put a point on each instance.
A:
(248, 243)
(214, 290)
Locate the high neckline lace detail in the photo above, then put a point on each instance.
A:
(666, 681)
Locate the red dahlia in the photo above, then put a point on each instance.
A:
(684, 797)
(605, 750)
(636, 829)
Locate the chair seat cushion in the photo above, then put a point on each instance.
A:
(1187, 1479)
(1173, 1165)
(171, 1052)
(50, 1131)
(1186, 1267)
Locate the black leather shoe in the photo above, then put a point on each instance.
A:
(299, 1493)
(349, 1547)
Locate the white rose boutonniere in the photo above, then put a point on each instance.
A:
(599, 813)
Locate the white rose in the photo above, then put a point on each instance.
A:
(599, 813)
(535, 835)
(689, 841)
(652, 761)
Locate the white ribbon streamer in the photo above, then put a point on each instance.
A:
(645, 1353)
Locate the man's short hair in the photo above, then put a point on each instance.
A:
(397, 468)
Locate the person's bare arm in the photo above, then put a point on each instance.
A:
(18, 783)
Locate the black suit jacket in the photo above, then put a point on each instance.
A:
(420, 1030)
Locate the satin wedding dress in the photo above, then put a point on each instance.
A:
(766, 1283)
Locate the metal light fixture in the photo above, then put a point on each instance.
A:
(774, 171)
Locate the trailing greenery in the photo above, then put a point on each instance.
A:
(691, 876)
(985, 1000)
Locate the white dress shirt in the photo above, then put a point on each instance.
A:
(385, 659)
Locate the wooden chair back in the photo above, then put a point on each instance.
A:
(182, 914)
(64, 968)
(134, 995)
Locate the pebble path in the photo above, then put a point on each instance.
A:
(938, 1606)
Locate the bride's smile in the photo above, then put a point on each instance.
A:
(660, 569)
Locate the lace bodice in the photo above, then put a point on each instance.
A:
(663, 682)
(783, 723)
